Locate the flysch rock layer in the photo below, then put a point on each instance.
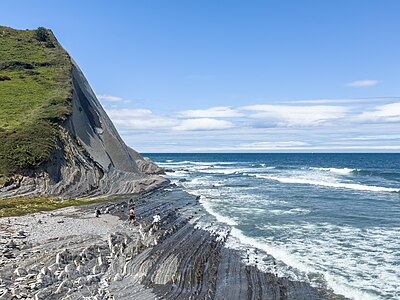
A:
(91, 158)
(71, 254)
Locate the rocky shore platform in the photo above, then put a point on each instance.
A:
(72, 254)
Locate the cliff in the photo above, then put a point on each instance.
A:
(58, 140)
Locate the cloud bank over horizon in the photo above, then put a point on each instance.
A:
(337, 125)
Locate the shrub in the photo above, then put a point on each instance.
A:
(50, 45)
(42, 34)
(4, 78)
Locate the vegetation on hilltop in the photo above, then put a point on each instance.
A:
(35, 95)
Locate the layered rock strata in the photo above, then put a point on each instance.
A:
(71, 254)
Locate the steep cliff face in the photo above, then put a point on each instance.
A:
(90, 125)
(88, 158)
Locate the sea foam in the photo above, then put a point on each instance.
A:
(353, 186)
(220, 218)
(283, 255)
(341, 171)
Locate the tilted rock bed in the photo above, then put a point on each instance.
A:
(71, 254)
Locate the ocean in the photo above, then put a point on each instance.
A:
(329, 219)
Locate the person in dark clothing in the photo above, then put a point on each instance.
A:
(132, 215)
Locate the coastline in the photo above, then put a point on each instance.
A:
(71, 254)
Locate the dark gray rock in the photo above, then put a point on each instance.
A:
(21, 271)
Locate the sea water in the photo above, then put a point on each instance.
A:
(332, 219)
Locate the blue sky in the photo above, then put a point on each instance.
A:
(236, 76)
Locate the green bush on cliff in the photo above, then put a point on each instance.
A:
(42, 34)
(33, 100)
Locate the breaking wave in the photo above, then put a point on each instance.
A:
(353, 186)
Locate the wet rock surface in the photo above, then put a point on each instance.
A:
(85, 257)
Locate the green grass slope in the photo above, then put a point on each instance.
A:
(35, 95)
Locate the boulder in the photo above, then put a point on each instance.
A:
(64, 286)
(43, 294)
(118, 277)
(21, 271)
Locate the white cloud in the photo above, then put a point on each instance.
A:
(213, 112)
(323, 101)
(372, 138)
(203, 124)
(363, 83)
(111, 98)
(140, 119)
(298, 126)
(286, 115)
(385, 113)
(258, 146)
(345, 101)
(129, 113)
(146, 120)
(372, 147)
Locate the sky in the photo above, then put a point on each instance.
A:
(235, 76)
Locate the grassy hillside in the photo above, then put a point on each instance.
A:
(35, 93)
(19, 206)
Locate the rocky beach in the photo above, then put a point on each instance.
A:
(71, 254)
(59, 149)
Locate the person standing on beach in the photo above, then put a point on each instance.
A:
(156, 221)
(132, 215)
